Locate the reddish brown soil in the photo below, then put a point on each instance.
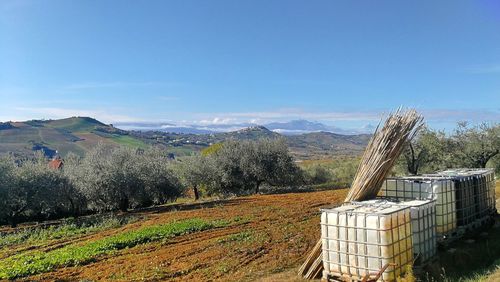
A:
(278, 231)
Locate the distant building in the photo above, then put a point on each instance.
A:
(56, 163)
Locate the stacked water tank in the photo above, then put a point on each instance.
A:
(423, 225)
(359, 240)
(465, 198)
(403, 226)
(438, 188)
(363, 238)
(475, 196)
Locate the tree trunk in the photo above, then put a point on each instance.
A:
(73, 209)
(123, 204)
(196, 193)
(257, 187)
(412, 164)
(12, 220)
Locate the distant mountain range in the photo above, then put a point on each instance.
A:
(79, 134)
(293, 127)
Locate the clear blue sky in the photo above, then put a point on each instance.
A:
(340, 62)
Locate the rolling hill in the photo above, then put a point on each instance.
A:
(79, 134)
(75, 134)
(319, 144)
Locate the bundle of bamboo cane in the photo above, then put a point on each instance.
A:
(382, 152)
(380, 155)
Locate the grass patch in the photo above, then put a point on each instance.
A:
(74, 124)
(66, 230)
(129, 141)
(40, 262)
(244, 236)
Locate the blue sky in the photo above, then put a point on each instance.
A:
(344, 63)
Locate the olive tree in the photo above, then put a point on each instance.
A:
(70, 196)
(91, 178)
(243, 166)
(32, 190)
(495, 164)
(474, 146)
(317, 174)
(38, 186)
(268, 161)
(428, 151)
(123, 178)
(195, 171)
(11, 203)
(160, 183)
(229, 177)
(109, 178)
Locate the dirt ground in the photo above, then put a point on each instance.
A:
(268, 241)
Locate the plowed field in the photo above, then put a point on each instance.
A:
(266, 239)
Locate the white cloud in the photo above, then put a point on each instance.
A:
(475, 115)
(218, 120)
(285, 114)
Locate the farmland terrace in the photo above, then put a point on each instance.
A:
(262, 237)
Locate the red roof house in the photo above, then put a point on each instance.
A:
(56, 164)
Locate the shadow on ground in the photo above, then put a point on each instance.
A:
(469, 258)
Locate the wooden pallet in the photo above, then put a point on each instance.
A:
(468, 229)
(451, 237)
(478, 223)
(372, 277)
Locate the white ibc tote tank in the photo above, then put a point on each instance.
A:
(436, 188)
(423, 226)
(483, 188)
(360, 240)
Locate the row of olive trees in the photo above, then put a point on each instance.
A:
(107, 179)
(123, 178)
(31, 190)
(467, 146)
(240, 167)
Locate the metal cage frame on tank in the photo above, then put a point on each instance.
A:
(465, 198)
(439, 188)
(423, 225)
(482, 186)
(358, 241)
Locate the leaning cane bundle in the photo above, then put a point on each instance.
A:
(380, 155)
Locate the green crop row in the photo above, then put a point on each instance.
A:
(37, 236)
(72, 255)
